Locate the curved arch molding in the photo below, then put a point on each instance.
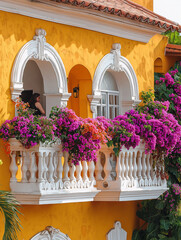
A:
(40, 51)
(115, 62)
(50, 233)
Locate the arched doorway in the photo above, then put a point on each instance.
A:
(48, 76)
(33, 80)
(79, 80)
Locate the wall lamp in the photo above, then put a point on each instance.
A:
(76, 92)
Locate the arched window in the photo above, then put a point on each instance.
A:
(115, 86)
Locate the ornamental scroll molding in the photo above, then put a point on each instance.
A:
(46, 57)
(114, 62)
(116, 51)
(41, 40)
(50, 233)
(117, 233)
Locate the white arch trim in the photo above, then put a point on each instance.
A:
(50, 233)
(115, 62)
(39, 50)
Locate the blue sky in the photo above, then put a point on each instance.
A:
(170, 9)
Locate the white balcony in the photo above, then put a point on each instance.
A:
(46, 177)
(130, 176)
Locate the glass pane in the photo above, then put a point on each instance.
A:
(116, 111)
(98, 110)
(111, 116)
(103, 98)
(116, 100)
(104, 111)
(111, 101)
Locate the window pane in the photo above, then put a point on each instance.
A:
(98, 110)
(116, 100)
(103, 98)
(111, 101)
(104, 111)
(111, 115)
(116, 111)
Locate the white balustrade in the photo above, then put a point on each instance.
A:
(49, 177)
(136, 179)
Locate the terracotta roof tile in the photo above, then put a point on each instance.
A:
(124, 8)
(173, 50)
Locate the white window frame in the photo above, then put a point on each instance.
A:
(107, 104)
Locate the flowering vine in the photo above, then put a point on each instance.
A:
(162, 215)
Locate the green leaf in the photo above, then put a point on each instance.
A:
(164, 224)
(9, 206)
(161, 236)
(160, 205)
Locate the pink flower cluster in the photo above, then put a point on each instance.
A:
(169, 87)
(172, 198)
(29, 131)
(80, 137)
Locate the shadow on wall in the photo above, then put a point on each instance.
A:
(20, 29)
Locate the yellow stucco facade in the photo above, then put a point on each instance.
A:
(80, 50)
(145, 3)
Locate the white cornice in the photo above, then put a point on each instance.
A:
(78, 17)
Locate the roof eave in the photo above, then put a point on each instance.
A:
(83, 18)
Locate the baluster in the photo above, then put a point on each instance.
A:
(122, 154)
(153, 172)
(50, 168)
(45, 161)
(144, 169)
(158, 172)
(13, 167)
(72, 177)
(33, 167)
(98, 168)
(59, 168)
(140, 179)
(91, 172)
(107, 167)
(24, 168)
(126, 169)
(131, 182)
(135, 168)
(55, 165)
(164, 181)
(66, 168)
(78, 175)
(40, 167)
(118, 168)
(84, 173)
(148, 169)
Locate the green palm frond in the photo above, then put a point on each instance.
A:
(9, 207)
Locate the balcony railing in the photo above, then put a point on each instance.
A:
(130, 176)
(44, 175)
(47, 178)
